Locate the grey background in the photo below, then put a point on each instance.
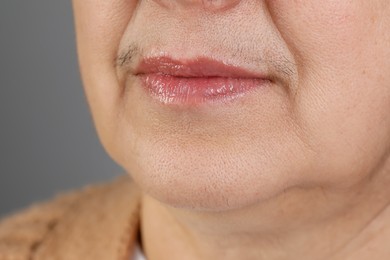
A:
(47, 140)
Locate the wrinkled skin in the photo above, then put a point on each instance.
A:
(315, 143)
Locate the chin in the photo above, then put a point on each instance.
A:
(205, 177)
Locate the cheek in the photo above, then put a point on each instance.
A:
(318, 31)
(99, 28)
(343, 94)
(100, 25)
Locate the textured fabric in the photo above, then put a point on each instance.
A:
(97, 222)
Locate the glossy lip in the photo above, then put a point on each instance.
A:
(195, 81)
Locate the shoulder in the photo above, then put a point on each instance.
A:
(41, 229)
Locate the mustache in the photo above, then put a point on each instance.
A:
(279, 65)
(127, 56)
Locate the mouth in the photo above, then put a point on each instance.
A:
(195, 81)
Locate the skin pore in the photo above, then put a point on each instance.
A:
(297, 170)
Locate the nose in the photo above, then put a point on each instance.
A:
(211, 5)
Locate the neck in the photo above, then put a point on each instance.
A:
(299, 224)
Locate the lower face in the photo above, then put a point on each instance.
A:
(321, 120)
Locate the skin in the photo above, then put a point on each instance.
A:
(299, 170)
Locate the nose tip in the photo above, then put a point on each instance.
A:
(211, 5)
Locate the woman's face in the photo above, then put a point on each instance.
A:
(323, 120)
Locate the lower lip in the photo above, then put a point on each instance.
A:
(170, 89)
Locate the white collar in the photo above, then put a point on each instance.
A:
(138, 254)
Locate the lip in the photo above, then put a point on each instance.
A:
(195, 81)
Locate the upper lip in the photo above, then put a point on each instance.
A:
(192, 68)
